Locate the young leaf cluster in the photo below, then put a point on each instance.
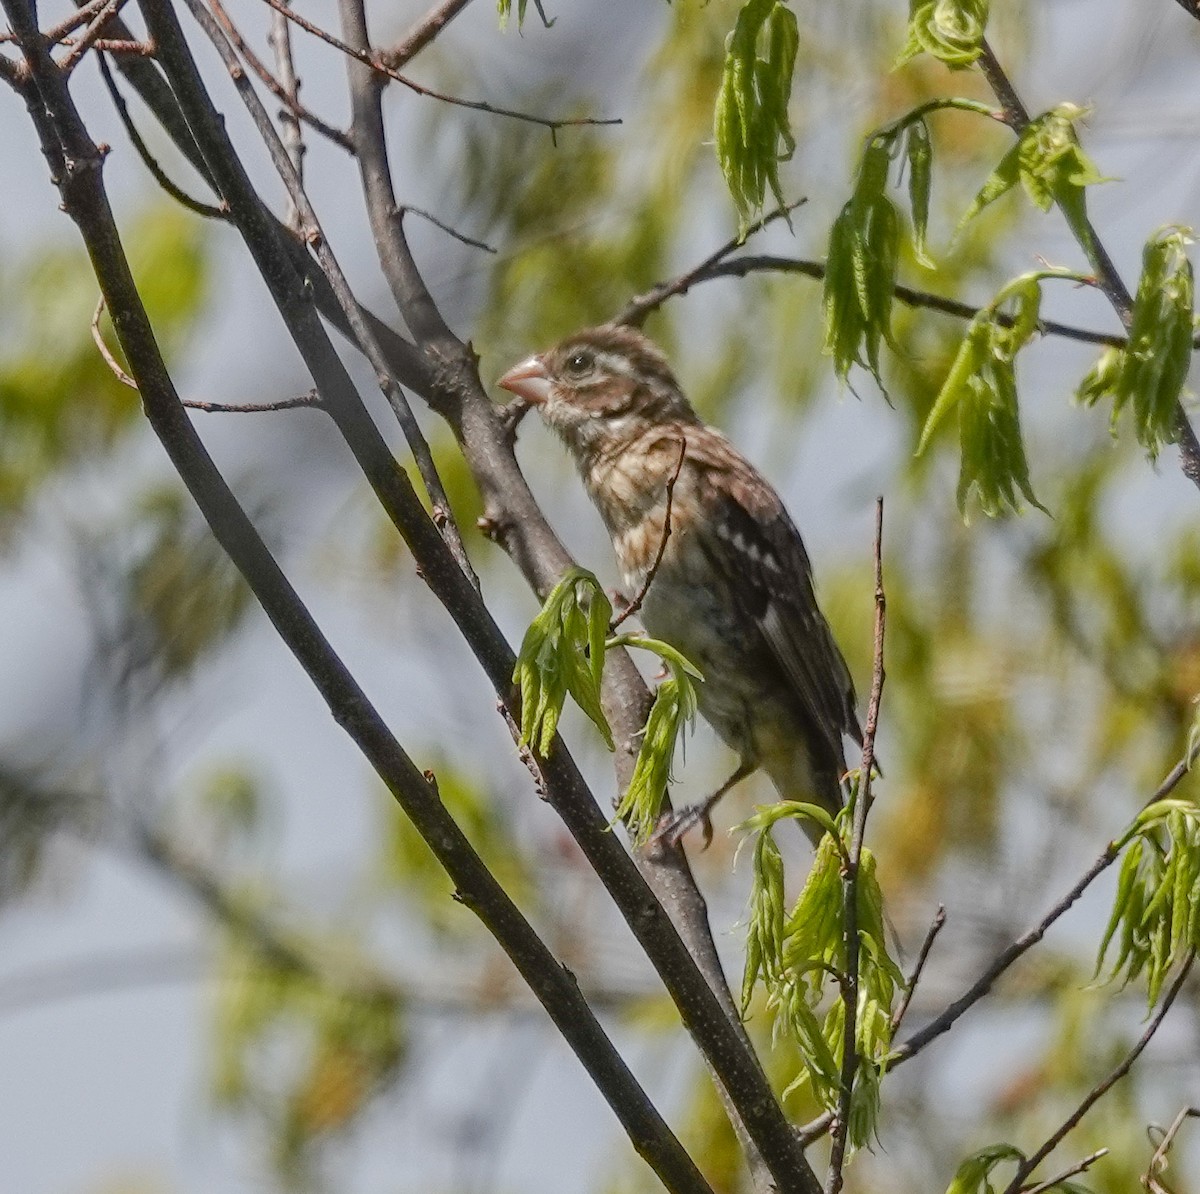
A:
(800, 960)
(751, 127)
(1049, 163)
(1156, 913)
(562, 655)
(949, 30)
(860, 270)
(1148, 374)
(982, 387)
(674, 708)
(563, 652)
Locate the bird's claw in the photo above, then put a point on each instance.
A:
(673, 827)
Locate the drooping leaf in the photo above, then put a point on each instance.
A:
(751, 126)
(557, 658)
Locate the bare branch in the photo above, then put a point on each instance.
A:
(93, 31)
(840, 1126)
(984, 983)
(208, 210)
(420, 89)
(910, 988)
(301, 401)
(447, 527)
(304, 400)
(285, 88)
(280, 40)
(741, 267)
(1105, 1084)
(640, 597)
(75, 164)
(404, 209)
(450, 379)
(707, 1016)
(422, 33)
(1079, 1167)
(1160, 1161)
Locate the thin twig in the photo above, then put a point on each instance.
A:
(93, 31)
(56, 33)
(634, 312)
(740, 267)
(636, 604)
(1071, 1171)
(983, 984)
(280, 40)
(862, 805)
(420, 89)
(208, 210)
(1105, 1084)
(311, 399)
(1159, 1162)
(910, 988)
(405, 208)
(814, 1129)
(279, 87)
(109, 359)
(422, 33)
(239, 408)
(313, 235)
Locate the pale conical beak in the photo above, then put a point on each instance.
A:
(528, 381)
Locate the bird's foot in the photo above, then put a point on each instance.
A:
(674, 826)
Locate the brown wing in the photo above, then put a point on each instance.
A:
(759, 545)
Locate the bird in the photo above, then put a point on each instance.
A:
(729, 584)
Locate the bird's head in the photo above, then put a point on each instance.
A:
(600, 387)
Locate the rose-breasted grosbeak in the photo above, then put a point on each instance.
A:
(733, 590)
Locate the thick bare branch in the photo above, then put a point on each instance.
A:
(76, 166)
(450, 382)
(707, 1020)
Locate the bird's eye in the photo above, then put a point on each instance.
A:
(579, 363)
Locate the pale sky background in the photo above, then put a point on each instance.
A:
(110, 1085)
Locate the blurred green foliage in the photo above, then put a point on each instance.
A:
(1041, 672)
(60, 404)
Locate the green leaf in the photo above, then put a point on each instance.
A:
(949, 30)
(563, 653)
(967, 361)
(504, 10)
(1102, 378)
(1155, 364)
(861, 266)
(972, 1175)
(1002, 179)
(1049, 163)
(674, 708)
(919, 150)
(981, 386)
(750, 124)
(1157, 904)
(993, 452)
(764, 937)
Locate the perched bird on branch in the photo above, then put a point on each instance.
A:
(705, 541)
